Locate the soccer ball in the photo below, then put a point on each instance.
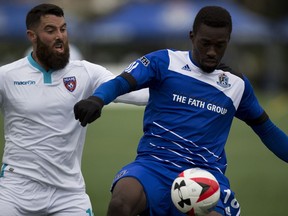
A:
(195, 192)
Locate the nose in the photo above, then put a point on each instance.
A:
(59, 35)
(211, 51)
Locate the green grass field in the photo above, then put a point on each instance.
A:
(257, 176)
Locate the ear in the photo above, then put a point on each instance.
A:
(31, 35)
(191, 35)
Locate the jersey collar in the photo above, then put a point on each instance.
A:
(191, 59)
(36, 65)
(46, 74)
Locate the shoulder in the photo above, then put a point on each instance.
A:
(165, 53)
(158, 54)
(163, 56)
(86, 65)
(237, 76)
(226, 68)
(94, 71)
(16, 65)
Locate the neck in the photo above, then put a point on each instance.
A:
(34, 56)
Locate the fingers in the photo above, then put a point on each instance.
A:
(90, 117)
(79, 111)
(84, 123)
(86, 112)
(76, 112)
(84, 120)
(80, 114)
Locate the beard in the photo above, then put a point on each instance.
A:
(51, 59)
(207, 69)
(201, 61)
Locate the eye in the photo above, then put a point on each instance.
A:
(63, 30)
(49, 30)
(220, 45)
(205, 44)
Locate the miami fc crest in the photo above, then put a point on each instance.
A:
(70, 83)
(223, 81)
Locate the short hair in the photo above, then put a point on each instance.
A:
(34, 15)
(213, 16)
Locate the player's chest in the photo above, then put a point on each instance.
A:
(194, 93)
(36, 93)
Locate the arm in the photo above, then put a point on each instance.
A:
(254, 115)
(88, 110)
(126, 83)
(274, 138)
(120, 85)
(146, 70)
(138, 98)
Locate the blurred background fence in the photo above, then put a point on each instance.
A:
(118, 31)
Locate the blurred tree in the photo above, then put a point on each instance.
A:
(269, 8)
(90, 8)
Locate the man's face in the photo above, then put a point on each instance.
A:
(52, 47)
(209, 45)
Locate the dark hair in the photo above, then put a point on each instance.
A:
(213, 16)
(34, 15)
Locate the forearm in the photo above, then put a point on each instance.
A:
(88, 110)
(274, 138)
(110, 90)
(139, 97)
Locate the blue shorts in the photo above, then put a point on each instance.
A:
(156, 179)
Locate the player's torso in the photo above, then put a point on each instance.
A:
(40, 128)
(32, 94)
(190, 108)
(186, 98)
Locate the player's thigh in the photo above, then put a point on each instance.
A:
(70, 212)
(69, 203)
(8, 209)
(20, 195)
(228, 204)
(214, 213)
(7, 205)
(131, 192)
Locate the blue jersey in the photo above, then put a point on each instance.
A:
(189, 114)
(186, 124)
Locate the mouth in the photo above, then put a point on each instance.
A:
(211, 62)
(59, 47)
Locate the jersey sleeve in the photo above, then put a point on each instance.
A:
(1, 84)
(274, 138)
(143, 74)
(139, 75)
(147, 69)
(254, 115)
(249, 109)
(98, 74)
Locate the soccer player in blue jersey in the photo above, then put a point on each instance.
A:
(41, 170)
(193, 100)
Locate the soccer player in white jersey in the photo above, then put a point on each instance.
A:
(193, 100)
(41, 170)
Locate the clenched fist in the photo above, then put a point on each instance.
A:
(88, 110)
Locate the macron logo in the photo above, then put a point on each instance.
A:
(29, 82)
(186, 67)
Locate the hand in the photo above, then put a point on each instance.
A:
(88, 110)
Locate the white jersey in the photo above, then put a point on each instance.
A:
(42, 138)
